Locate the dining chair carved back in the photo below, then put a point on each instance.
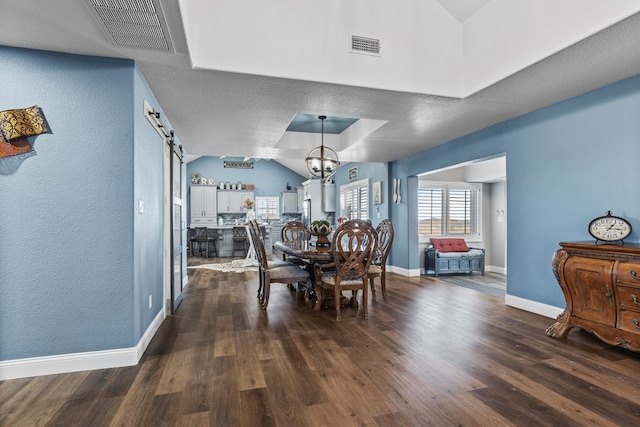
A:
(353, 248)
(294, 231)
(378, 266)
(274, 271)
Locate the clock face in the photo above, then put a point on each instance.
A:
(610, 228)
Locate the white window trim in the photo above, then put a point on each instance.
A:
(476, 237)
(352, 185)
(273, 199)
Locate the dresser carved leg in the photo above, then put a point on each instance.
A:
(561, 328)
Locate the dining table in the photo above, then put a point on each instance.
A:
(312, 255)
(304, 249)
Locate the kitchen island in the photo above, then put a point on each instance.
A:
(225, 238)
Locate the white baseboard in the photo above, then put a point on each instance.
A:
(403, 271)
(495, 269)
(74, 362)
(533, 306)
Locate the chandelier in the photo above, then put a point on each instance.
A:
(322, 161)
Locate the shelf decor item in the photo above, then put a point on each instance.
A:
(15, 126)
(22, 122)
(17, 146)
(321, 228)
(248, 204)
(610, 228)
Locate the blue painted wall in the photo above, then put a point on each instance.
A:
(373, 172)
(77, 264)
(148, 232)
(566, 164)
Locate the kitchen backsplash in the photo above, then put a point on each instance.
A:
(239, 218)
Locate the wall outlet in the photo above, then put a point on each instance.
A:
(150, 301)
(140, 206)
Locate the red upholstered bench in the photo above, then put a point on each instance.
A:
(452, 255)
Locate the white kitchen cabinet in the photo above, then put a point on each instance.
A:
(223, 201)
(235, 201)
(300, 191)
(203, 205)
(289, 201)
(232, 201)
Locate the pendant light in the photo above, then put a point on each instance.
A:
(322, 161)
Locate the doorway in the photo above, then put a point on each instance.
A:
(177, 222)
(173, 225)
(490, 175)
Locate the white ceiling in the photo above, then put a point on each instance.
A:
(239, 71)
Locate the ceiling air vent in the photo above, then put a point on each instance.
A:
(365, 45)
(133, 23)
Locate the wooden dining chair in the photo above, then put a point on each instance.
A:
(378, 266)
(294, 231)
(274, 271)
(353, 247)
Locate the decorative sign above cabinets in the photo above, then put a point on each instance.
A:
(238, 165)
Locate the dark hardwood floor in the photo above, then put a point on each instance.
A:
(432, 354)
(490, 283)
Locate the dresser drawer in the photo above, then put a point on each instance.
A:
(629, 297)
(629, 273)
(629, 321)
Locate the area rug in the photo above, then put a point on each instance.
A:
(235, 266)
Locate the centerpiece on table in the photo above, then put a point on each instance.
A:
(248, 204)
(321, 228)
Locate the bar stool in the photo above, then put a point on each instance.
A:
(239, 240)
(212, 238)
(202, 241)
(192, 241)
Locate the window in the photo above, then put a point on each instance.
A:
(354, 200)
(449, 209)
(267, 208)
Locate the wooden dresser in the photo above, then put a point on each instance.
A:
(601, 284)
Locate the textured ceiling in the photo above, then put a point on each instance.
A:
(220, 113)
